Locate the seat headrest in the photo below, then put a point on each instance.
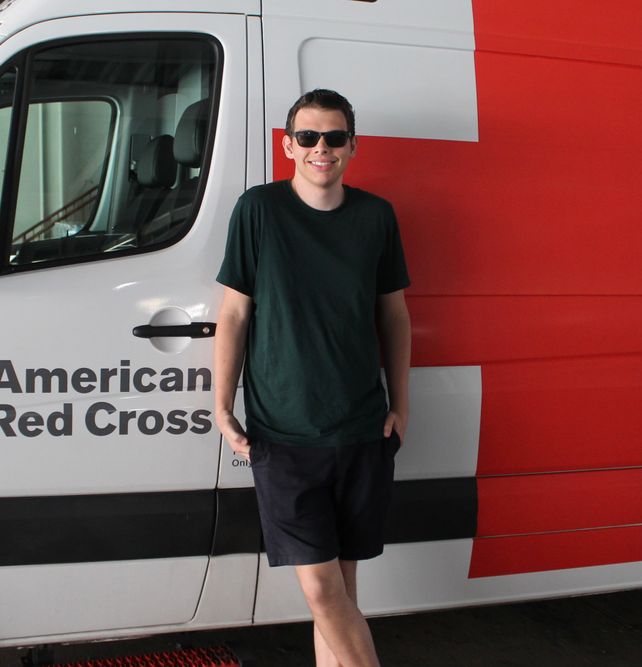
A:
(190, 134)
(157, 166)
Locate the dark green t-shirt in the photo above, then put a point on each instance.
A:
(312, 371)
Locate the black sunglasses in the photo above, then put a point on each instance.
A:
(333, 138)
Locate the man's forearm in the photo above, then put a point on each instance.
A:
(229, 351)
(396, 353)
(395, 336)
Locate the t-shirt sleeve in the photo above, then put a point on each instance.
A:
(238, 269)
(392, 273)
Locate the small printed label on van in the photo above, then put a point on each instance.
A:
(102, 418)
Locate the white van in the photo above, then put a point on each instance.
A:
(507, 137)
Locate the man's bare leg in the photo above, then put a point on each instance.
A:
(324, 656)
(337, 619)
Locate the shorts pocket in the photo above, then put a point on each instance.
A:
(258, 452)
(393, 442)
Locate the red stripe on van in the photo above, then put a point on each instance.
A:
(579, 29)
(493, 556)
(460, 330)
(561, 414)
(517, 505)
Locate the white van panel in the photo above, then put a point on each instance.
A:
(434, 575)
(255, 104)
(279, 595)
(228, 595)
(438, 104)
(442, 439)
(79, 597)
(450, 21)
(85, 463)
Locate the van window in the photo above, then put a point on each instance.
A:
(113, 147)
(63, 161)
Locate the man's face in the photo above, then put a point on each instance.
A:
(320, 166)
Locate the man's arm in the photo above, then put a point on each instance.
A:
(393, 323)
(229, 351)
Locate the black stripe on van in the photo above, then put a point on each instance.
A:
(420, 511)
(70, 529)
(425, 510)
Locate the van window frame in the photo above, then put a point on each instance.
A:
(22, 63)
(15, 144)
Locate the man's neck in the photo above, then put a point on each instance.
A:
(322, 199)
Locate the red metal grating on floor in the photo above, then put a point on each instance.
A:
(218, 656)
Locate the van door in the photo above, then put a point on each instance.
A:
(120, 141)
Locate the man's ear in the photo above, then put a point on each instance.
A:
(287, 146)
(353, 145)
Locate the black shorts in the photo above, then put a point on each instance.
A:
(320, 503)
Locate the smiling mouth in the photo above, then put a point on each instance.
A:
(317, 163)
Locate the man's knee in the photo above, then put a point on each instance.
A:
(323, 585)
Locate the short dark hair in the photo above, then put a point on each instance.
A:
(321, 98)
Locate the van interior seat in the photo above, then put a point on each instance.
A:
(155, 176)
(190, 134)
(189, 145)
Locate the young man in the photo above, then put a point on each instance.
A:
(314, 274)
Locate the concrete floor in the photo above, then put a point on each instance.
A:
(592, 631)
